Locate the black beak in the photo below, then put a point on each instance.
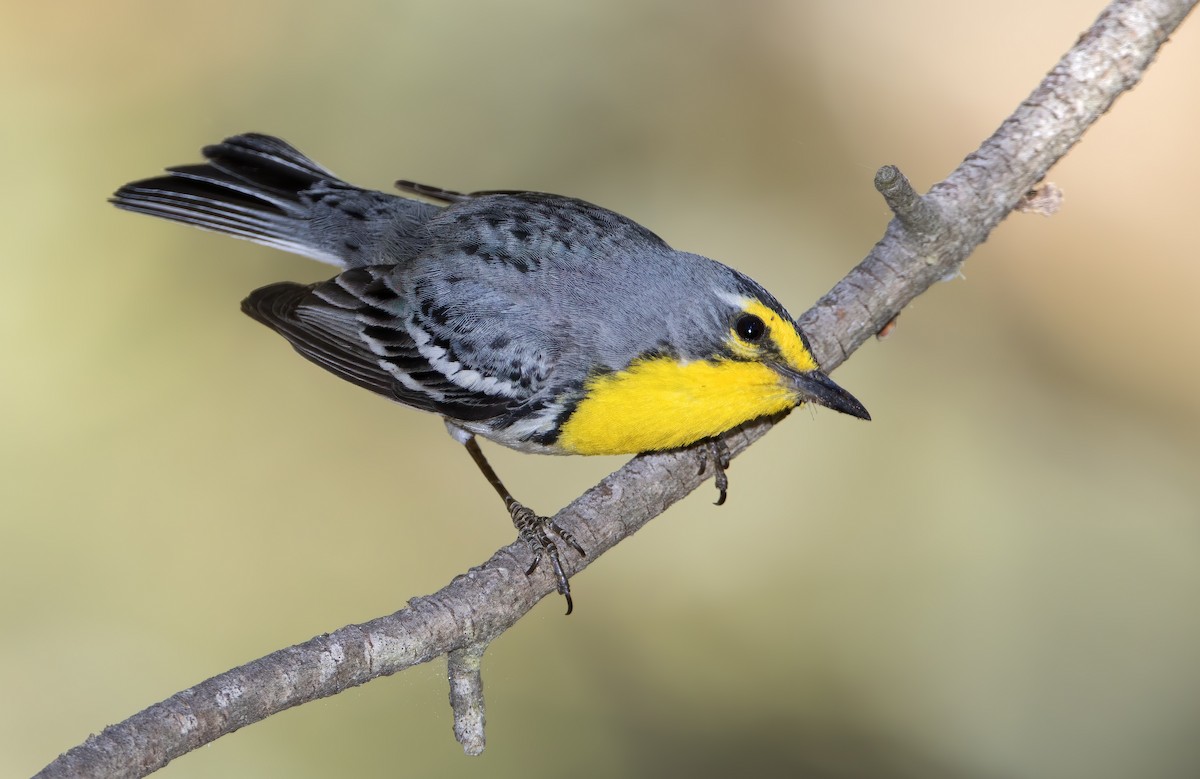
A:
(816, 387)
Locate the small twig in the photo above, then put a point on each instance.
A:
(466, 696)
(918, 215)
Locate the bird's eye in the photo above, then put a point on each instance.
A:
(750, 327)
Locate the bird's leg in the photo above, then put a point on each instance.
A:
(531, 527)
(718, 454)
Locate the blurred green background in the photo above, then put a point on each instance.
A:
(997, 577)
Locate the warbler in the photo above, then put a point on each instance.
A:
(543, 323)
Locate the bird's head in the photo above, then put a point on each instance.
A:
(723, 352)
(761, 331)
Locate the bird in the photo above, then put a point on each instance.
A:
(540, 322)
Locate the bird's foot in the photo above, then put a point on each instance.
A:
(535, 530)
(718, 455)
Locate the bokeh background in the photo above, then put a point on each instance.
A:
(997, 577)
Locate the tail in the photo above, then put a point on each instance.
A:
(261, 189)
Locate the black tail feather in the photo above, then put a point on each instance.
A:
(252, 187)
(260, 188)
(266, 163)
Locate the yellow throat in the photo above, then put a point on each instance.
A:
(661, 403)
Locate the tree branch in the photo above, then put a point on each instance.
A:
(927, 241)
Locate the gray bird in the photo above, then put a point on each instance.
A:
(541, 322)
